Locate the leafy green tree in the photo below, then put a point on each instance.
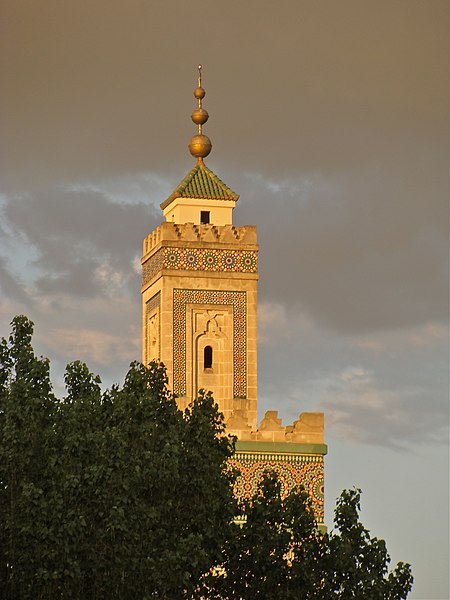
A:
(359, 563)
(27, 410)
(113, 495)
(119, 495)
(279, 552)
(276, 552)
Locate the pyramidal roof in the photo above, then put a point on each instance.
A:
(201, 183)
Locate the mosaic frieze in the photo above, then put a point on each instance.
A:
(237, 300)
(151, 267)
(293, 471)
(201, 259)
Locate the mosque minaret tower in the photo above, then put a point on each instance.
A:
(199, 311)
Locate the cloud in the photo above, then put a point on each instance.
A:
(94, 345)
(346, 182)
(354, 251)
(386, 388)
(10, 287)
(273, 324)
(76, 273)
(358, 409)
(70, 264)
(104, 332)
(327, 89)
(78, 241)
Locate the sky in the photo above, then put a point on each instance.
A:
(330, 119)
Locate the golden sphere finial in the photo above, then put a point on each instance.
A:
(200, 145)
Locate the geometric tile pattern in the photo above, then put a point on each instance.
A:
(237, 300)
(151, 267)
(200, 259)
(292, 470)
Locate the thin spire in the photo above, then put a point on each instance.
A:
(199, 99)
(200, 145)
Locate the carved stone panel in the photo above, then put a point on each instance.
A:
(152, 329)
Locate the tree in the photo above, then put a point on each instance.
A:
(359, 563)
(27, 411)
(276, 553)
(280, 552)
(113, 495)
(120, 495)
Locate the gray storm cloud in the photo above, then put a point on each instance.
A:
(330, 119)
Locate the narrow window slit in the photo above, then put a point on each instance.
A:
(207, 357)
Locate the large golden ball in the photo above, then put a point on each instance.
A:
(200, 146)
(200, 116)
(199, 93)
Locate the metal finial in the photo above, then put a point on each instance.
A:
(200, 145)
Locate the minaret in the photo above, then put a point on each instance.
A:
(199, 292)
(200, 275)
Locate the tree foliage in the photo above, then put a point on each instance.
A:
(280, 552)
(113, 495)
(119, 495)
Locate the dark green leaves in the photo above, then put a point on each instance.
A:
(279, 552)
(113, 495)
(119, 495)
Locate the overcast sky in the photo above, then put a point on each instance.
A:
(330, 119)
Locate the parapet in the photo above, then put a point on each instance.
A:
(190, 232)
(307, 429)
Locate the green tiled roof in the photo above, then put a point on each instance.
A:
(201, 182)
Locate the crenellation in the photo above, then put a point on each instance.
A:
(191, 232)
(307, 429)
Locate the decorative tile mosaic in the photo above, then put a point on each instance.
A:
(200, 259)
(238, 301)
(151, 267)
(293, 471)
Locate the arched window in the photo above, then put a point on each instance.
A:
(207, 357)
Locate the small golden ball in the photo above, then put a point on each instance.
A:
(200, 146)
(200, 116)
(199, 93)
